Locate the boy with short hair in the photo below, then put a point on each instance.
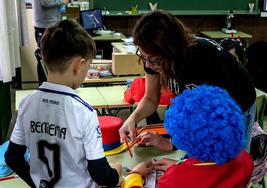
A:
(58, 127)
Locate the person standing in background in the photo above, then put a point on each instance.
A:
(46, 13)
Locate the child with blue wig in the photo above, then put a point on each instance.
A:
(208, 124)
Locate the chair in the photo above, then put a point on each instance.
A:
(258, 152)
(259, 140)
(261, 101)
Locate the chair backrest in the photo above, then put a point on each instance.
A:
(261, 101)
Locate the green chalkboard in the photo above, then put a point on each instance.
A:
(175, 5)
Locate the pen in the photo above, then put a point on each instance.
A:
(8, 177)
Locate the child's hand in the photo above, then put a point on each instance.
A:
(116, 166)
(163, 164)
(156, 140)
(144, 168)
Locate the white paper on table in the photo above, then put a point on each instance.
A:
(150, 181)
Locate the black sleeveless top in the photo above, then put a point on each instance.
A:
(208, 63)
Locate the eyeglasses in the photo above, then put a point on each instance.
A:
(146, 60)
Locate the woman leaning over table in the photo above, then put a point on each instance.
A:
(173, 58)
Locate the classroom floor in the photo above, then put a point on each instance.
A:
(123, 114)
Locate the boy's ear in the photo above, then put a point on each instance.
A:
(78, 62)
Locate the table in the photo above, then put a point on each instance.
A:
(222, 35)
(109, 37)
(90, 94)
(110, 98)
(13, 183)
(114, 97)
(140, 154)
(103, 43)
(108, 81)
(20, 95)
(120, 47)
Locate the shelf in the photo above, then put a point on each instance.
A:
(183, 12)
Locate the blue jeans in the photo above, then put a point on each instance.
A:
(249, 121)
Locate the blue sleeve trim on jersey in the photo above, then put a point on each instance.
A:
(79, 99)
(76, 97)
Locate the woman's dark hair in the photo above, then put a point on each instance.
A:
(160, 33)
(64, 41)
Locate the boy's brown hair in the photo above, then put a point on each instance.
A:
(64, 41)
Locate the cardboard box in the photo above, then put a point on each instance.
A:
(126, 64)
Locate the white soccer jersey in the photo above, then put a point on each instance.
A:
(61, 133)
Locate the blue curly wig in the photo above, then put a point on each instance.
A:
(206, 123)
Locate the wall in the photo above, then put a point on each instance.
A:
(191, 5)
(251, 24)
(28, 61)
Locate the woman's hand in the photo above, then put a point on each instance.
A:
(156, 140)
(144, 168)
(163, 164)
(128, 130)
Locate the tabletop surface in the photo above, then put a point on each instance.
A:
(109, 37)
(140, 154)
(114, 96)
(20, 94)
(115, 79)
(89, 94)
(122, 47)
(13, 183)
(119, 46)
(221, 35)
(92, 96)
(98, 97)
